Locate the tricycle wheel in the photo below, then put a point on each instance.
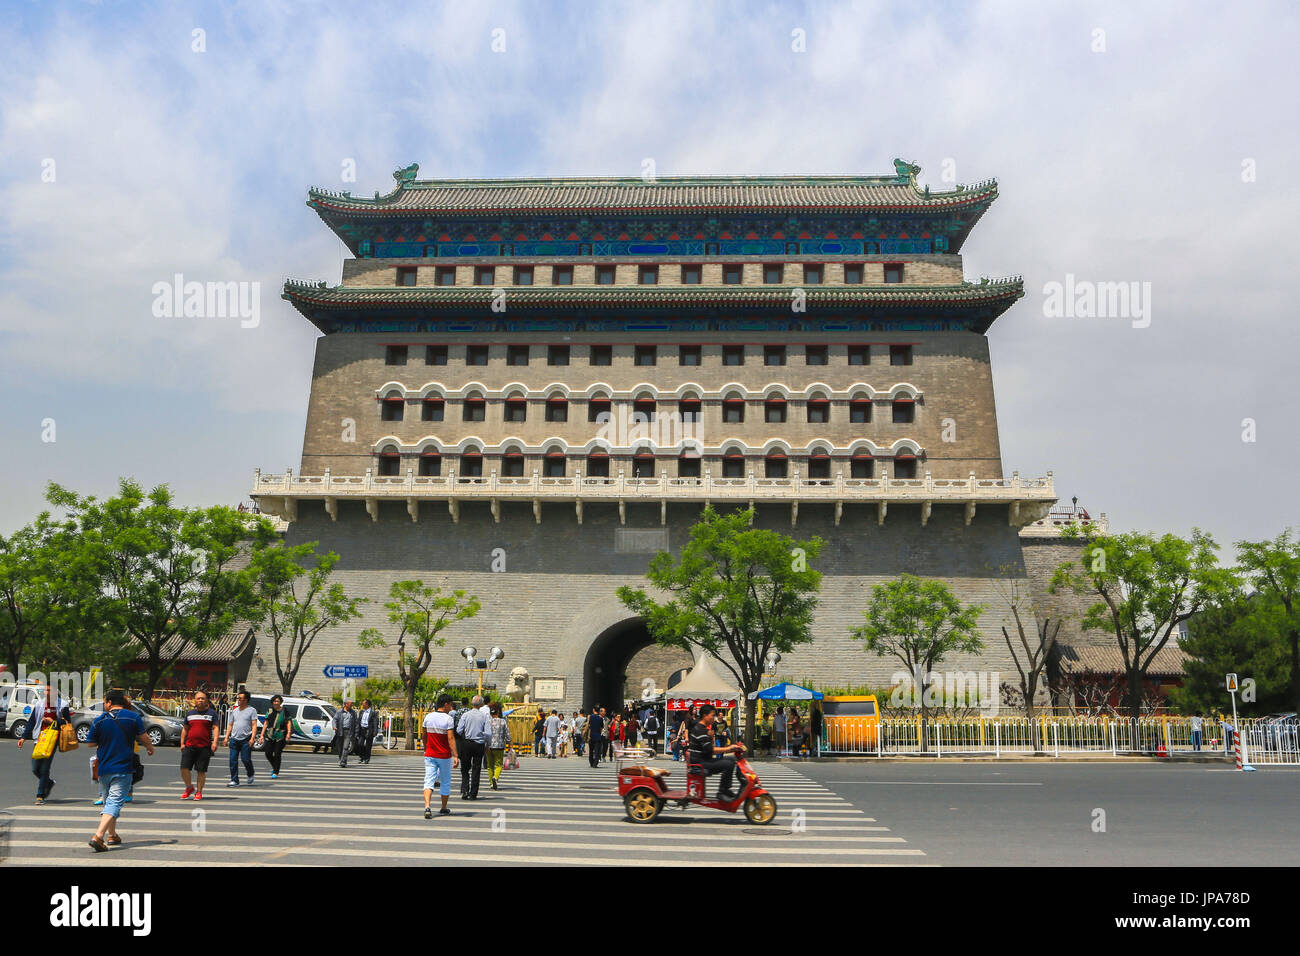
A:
(761, 809)
(642, 806)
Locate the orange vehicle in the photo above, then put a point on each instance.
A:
(850, 724)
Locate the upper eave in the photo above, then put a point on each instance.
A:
(310, 298)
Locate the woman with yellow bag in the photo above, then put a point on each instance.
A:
(49, 716)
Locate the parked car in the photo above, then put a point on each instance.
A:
(311, 719)
(16, 702)
(161, 726)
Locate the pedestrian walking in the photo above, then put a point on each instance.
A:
(614, 737)
(114, 733)
(45, 726)
(578, 728)
(498, 742)
(240, 726)
(345, 731)
(630, 728)
(440, 755)
(595, 734)
(652, 730)
(779, 732)
(475, 732)
(1198, 725)
(539, 733)
(367, 729)
(562, 741)
(552, 725)
(198, 744)
(276, 729)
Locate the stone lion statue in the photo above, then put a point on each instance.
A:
(517, 687)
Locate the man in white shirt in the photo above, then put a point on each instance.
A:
(440, 755)
(242, 724)
(552, 732)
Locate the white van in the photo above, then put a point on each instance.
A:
(16, 702)
(311, 719)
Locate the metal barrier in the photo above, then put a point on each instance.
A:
(1277, 743)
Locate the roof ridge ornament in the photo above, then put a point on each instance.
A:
(905, 173)
(406, 174)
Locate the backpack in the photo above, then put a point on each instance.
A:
(652, 725)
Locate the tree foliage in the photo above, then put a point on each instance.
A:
(736, 593)
(1273, 568)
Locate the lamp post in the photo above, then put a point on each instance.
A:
(479, 665)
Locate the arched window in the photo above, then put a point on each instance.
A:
(774, 410)
(431, 409)
(553, 464)
(645, 405)
(733, 465)
(393, 406)
(471, 463)
(516, 408)
(643, 465)
(688, 407)
(862, 465)
(904, 409)
(598, 464)
(819, 464)
(389, 460)
(733, 410)
(430, 464)
(512, 463)
(597, 405)
(475, 408)
(905, 466)
(860, 410)
(819, 409)
(776, 465)
(557, 407)
(688, 465)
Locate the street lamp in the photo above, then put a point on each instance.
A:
(477, 665)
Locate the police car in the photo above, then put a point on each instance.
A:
(311, 719)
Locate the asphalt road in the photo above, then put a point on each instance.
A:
(962, 814)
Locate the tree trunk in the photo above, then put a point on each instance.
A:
(408, 714)
(751, 709)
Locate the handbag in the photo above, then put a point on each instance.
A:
(45, 744)
(512, 760)
(68, 738)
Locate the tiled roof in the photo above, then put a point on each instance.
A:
(1084, 659)
(225, 648)
(319, 295)
(609, 196)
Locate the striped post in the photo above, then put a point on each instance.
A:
(1236, 747)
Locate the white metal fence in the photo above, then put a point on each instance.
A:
(1266, 742)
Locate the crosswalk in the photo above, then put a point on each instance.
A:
(548, 812)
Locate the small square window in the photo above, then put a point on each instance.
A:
(430, 466)
(390, 464)
(861, 468)
(646, 354)
(474, 411)
(435, 355)
(562, 275)
(859, 354)
(860, 413)
(819, 413)
(392, 409)
(445, 275)
(774, 355)
(733, 467)
(904, 413)
(904, 467)
(476, 355)
(406, 275)
(812, 275)
(605, 275)
(512, 466)
(689, 355)
(557, 355)
(432, 410)
(643, 466)
(598, 466)
(516, 354)
(732, 274)
(688, 467)
(516, 411)
(647, 275)
(775, 467)
(395, 355)
(819, 467)
(733, 355)
(646, 409)
(815, 354)
(484, 275)
(773, 273)
(900, 355)
(774, 413)
(689, 410)
(733, 413)
(557, 411)
(602, 355)
(471, 466)
(852, 273)
(523, 275)
(692, 275)
(553, 467)
(597, 407)
(893, 272)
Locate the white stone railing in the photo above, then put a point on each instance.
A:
(793, 487)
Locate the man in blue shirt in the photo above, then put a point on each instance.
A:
(115, 733)
(475, 729)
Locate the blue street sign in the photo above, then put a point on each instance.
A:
(346, 671)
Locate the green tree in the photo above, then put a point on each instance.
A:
(420, 614)
(1236, 634)
(1031, 649)
(297, 601)
(175, 579)
(920, 622)
(1146, 586)
(1274, 569)
(737, 593)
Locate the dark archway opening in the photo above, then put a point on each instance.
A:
(604, 674)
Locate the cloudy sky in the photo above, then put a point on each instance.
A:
(1150, 143)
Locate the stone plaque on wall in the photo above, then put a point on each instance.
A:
(552, 689)
(640, 540)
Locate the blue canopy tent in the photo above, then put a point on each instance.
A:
(788, 691)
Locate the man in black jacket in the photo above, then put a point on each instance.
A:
(711, 757)
(595, 735)
(367, 728)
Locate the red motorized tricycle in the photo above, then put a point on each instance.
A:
(645, 790)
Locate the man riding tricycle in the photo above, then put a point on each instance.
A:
(645, 791)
